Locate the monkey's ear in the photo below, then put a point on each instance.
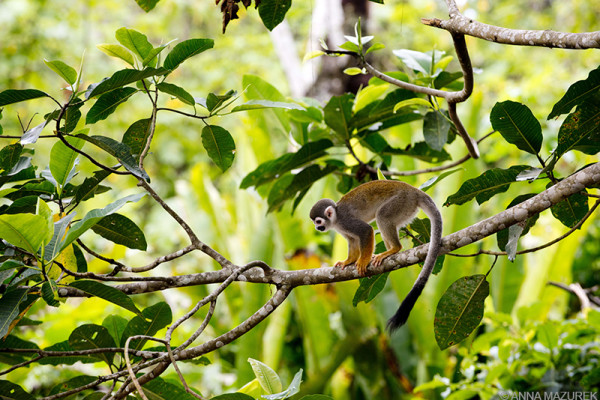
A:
(329, 212)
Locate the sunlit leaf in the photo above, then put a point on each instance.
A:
(338, 113)
(10, 96)
(26, 231)
(62, 160)
(118, 51)
(261, 104)
(147, 5)
(63, 70)
(10, 303)
(268, 379)
(436, 128)
(186, 49)
(135, 41)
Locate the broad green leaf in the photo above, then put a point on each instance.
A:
(135, 41)
(214, 101)
(219, 145)
(152, 319)
(69, 360)
(107, 293)
(260, 104)
(9, 157)
(420, 151)
(271, 169)
(369, 288)
(581, 129)
(338, 113)
(91, 336)
(115, 324)
(503, 235)
(12, 391)
(121, 230)
(272, 12)
(257, 88)
(72, 383)
(10, 96)
(90, 186)
(418, 61)
(14, 342)
(122, 78)
(350, 45)
(136, 136)
(292, 185)
(118, 150)
(435, 129)
(375, 46)
(577, 93)
(118, 51)
(380, 115)
(547, 335)
(151, 59)
(268, 379)
(62, 161)
(63, 70)
(10, 304)
(147, 5)
(312, 54)
(159, 389)
(233, 396)
(186, 49)
(293, 389)
(460, 310)
(517, 125)
(108, 103)
(50, 293)
(485, 186)
(176, 91)
(72, 115)
(572, 209)
(417, 101)
(26, 231)
(92, 217)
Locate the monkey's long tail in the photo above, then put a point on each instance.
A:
(401, 315)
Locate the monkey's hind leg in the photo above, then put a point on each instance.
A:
(386, 222)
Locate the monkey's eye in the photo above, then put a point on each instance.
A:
(319, 221)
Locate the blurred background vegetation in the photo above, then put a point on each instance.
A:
(343, 350)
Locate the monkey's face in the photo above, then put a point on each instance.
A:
(322, 214)
(321, 224)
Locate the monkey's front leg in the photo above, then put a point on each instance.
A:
(353, 253)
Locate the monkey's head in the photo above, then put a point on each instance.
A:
(323, 214)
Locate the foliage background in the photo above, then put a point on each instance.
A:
(304, 331)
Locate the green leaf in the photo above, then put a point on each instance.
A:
(435, 129)
(419, 150)
(122, 78)
(354, 71)
(62, 161)
(268, 379)
(50, 293)
(581, 129)
(10, 303)
(63, 70)
(69, 360)
(272, 12)
(261, 104)
(571, 210)
(108, 103)
(159, 389)
(417, 101)
(72, 116)
(214, 101)
(11, 96)
(219, 145)
(9, 157)
(52, 248)
(418, 61)
(90, 186)
(369, 288)
(485, 186)
(577, 93)
(115, 324)
(233, 396)
(338, 113)
(517, 125)
(72, 383)
(151, 59)
(121, 230)
(375, 46)
(118, 150)
(12, 391)
(147, 5)
(460, 310)
(152, 319)
(135, 41)
(176, 91)
(117, 51)
(186, 49)
(431, 182)
(91, 336)
(92, 217)
(323, 396)
(26, 231)
(107, 293)
(503, 235)
(136, 136)
(269, 170)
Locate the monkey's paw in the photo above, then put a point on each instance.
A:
(361, 267)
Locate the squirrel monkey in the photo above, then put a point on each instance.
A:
(393, 205)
